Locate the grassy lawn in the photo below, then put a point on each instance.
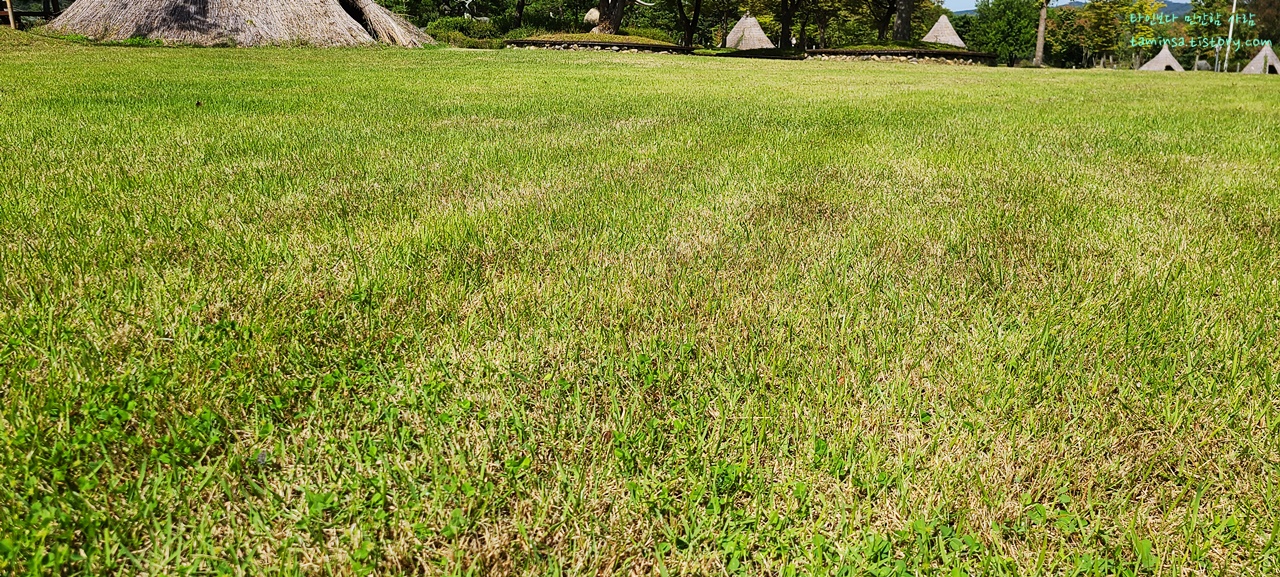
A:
(445, 311)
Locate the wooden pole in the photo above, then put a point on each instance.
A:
(1231, 28)
(13, 20)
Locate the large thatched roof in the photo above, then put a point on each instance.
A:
(240, 22)
(1264, 63)
(944, 33)
(747, 35)
(1164, 61)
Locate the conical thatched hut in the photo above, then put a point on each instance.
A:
(943, 33)
(747, 35)
(240, 22)
(1164, 61)
(1264, 63)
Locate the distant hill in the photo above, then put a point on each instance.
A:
(1175, 8)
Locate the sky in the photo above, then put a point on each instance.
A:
(960, 5)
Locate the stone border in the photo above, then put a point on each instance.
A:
(907, 55)
(739, 54)
(590, 45)
(912, 60)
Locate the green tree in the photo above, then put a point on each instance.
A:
(1103, 28)
(1207, 22)
(1066, 38)
(963, 23)
(1007, 28)
(1142, 28)
(688, 13)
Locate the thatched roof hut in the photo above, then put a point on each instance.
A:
(1164, 61)
(747, 35)
(240, 22)
(1264, 63)
(943, 33)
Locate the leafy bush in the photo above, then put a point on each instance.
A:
(469, 27)
(1006, 28)
(650, 33)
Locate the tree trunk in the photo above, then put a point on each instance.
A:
(902, 22)
(882, 27)
(693, 21)
(520, 13)
(804, 36)
(784, 18)
(724, 30)
(683, 20)
(688, 22)
(1044, 15)
(611, 12)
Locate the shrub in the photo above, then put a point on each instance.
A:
(650, 33)
(469, 27)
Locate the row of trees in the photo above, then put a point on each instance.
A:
(1122, 33)
(1099, 32)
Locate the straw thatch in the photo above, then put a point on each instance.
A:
(1164, 61)
(747, 35)
(1264, 63)
(240, 22)
(943, 33)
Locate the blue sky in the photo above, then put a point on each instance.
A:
(960, 5)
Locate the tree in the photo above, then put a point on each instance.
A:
(902, 20)
(821, 13)
(611, 13)
(687, 18)
(963, 23)
(519, 18)
(786, 16)
(880, 14)
(1044, 15)
(1006, 28)
(1268, 17)
(1101, 19)
(1142, 15)
(1207, 20)
(1066, 37)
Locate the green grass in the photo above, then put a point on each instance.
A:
(10, 38)
(532, 312)
(609, 38)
